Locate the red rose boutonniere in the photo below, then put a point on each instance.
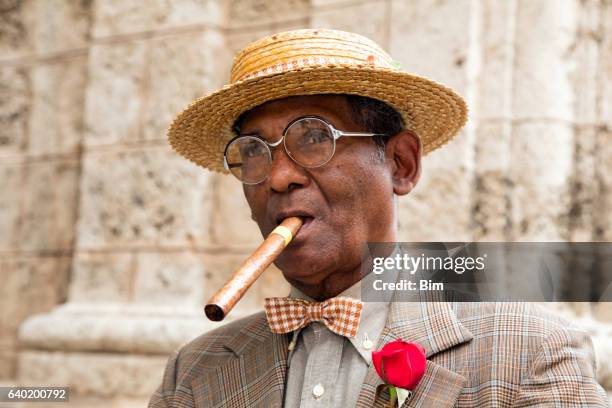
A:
(401, 366)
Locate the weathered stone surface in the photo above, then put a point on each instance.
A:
(122, 17)
(143, 197)
(128, 328)
(242, 13)
(182, 68)
(91, 373)
(58, 24)
(14, 108)
(55, 123)
(115, 88)
(544, 64)
(49, 226)
(492, 184)
(540, 195)
(431, 38)
(583, 190)
(495, 71)
(30, 285)
(350, 18)
(169, 278)
(440, 207)
(15, 35)
(605, 66)
(11, 175)
(102, 278)
(603, 206)
(8, 360)
(235, 228)
(586, 51)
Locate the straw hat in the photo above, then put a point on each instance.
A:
(306, 62)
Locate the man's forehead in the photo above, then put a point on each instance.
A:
(334, 107)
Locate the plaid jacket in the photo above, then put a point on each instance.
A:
(479, 355)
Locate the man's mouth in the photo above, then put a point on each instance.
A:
(306, 217)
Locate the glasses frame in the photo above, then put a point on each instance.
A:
(336, 134)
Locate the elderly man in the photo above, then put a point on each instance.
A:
(323, 125)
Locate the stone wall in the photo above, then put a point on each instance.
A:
(110, 242)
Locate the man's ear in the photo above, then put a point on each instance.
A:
(403, 152)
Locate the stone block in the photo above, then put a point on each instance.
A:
(15, 36)
(605, 66)
(98, 374)
(30, 285)
(114, 95)
(492, 185)
(544, 63)
(136, 328)
(169, 278)
(102, 278)
(183, 68)
(11, 175)
(540, 170)
(495, 73)
(58, 25)
(583, 189)
(234, 227)
(244, 13)
(440, 206)
(116, 17)
(58, 95)
(49, 205)
(14, 108)
(586, 51)
(143, 197)
(603, 175)
(431, 38)
(332, 3)
(8, 358)
(368, 19)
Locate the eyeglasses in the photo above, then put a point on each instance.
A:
(310, 141)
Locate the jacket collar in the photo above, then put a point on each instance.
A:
(434, 325)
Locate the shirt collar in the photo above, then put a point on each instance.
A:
(372, 321)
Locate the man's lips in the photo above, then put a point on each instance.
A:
(306, 217)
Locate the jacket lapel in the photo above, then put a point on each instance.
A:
(434, 326)
(253, 376)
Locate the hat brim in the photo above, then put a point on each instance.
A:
(432, 111)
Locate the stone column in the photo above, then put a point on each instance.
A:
(437, 40)
(42, 77)
(145, 256)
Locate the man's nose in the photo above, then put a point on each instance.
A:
(285, 174)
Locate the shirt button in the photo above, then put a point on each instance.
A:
(318, 390)
(367, 343)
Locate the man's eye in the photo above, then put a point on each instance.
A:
(252, 150)
(314, 137)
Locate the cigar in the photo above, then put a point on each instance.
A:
(220, 304)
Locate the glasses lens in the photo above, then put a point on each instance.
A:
(310, 142)
(248, 158)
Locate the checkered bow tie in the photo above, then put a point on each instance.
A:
(340, 315)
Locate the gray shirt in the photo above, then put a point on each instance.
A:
(327, 370)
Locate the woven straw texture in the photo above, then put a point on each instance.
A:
(308, 62)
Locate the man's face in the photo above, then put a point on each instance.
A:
(344, 203)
